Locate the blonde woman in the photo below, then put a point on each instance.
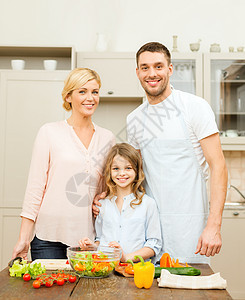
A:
(65, 173)
(128, 218)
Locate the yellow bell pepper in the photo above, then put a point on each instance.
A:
(143, 273)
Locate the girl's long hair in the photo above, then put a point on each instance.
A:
(133, 156)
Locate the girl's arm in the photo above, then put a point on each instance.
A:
(145, 252)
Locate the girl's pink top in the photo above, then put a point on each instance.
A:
(64, 177)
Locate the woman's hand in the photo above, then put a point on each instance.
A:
(21, 249)
(87, 244)
(116, 245)
(97, 202)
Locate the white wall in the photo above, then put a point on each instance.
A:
(128, 23)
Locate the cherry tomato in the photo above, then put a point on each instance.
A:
(60, 281)
(36, 284)
(42, 279)
(72, 278)
(54, 277)
(65, 276)
(49, 283)
(27, 277)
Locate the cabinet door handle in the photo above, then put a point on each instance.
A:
(110, 92)
(236, 213)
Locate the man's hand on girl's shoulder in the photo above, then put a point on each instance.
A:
(96, 203)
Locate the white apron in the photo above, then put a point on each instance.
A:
(174, 178)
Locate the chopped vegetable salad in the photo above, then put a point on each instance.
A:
(89, 264)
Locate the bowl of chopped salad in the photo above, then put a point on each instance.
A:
(93, 264)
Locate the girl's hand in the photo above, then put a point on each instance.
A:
(86, 244)
(116, 245)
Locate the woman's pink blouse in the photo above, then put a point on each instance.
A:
(64, 177)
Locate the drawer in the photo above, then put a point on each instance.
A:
(234, 213)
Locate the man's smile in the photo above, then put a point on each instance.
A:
(154, 82)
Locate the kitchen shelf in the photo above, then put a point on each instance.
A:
(233, 144)
(228, 81)
(230, 113)
(34, 56)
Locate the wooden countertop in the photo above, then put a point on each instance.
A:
(112, 287)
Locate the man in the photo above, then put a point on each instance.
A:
(178, 139)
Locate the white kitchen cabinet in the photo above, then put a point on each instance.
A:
(187, 72)
(28, 99)
(224, 82)
(230, 261)
(10, 226)
(112, 114)
(117, 72)
(120, 91)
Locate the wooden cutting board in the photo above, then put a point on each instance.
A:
(54, 264)
(121, 270)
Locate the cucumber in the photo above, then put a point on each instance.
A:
(187, 271)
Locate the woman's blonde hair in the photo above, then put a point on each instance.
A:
(76, 79)
(132, 155)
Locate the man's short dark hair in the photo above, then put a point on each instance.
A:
(154, 47)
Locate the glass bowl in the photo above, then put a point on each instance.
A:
(94, 264)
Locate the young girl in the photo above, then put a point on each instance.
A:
(128, 218)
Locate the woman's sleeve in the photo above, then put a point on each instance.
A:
(103, 155)
(38, 175)
(153, 228)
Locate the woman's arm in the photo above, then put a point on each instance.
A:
(38, 175)
(22, 247)
(35, 189)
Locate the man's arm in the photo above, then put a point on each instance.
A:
(210, 240)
